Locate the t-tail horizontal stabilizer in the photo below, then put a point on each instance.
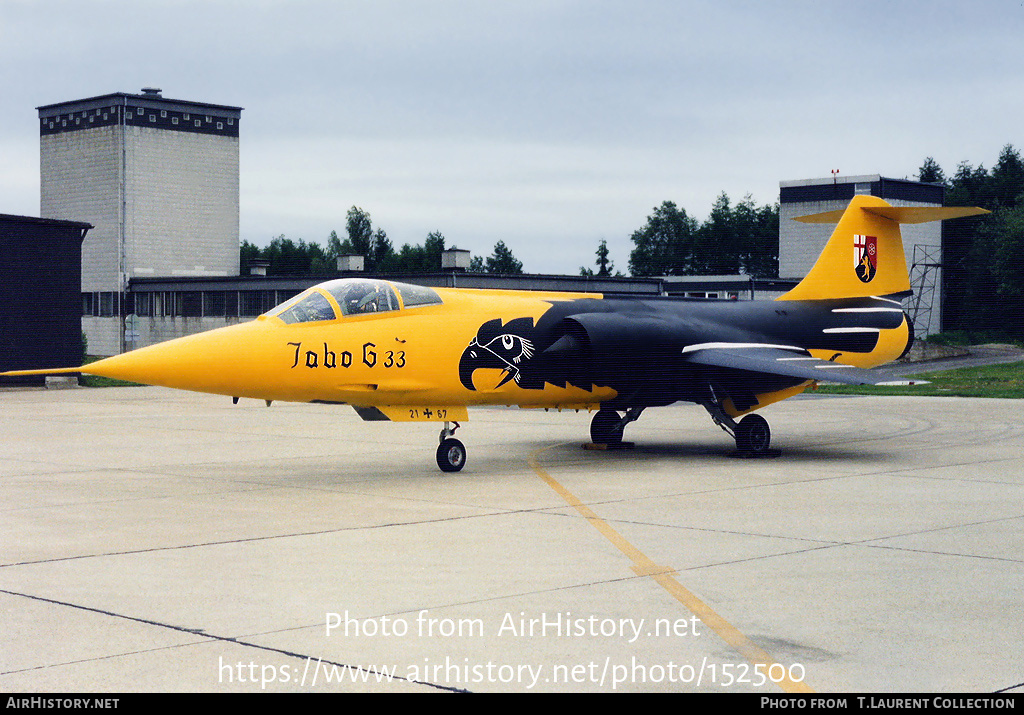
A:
(864, 256)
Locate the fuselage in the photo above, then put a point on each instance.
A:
(410, 346)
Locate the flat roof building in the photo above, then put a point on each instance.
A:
(159, 180)
(40, 312)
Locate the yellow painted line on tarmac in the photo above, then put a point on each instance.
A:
(665, 577)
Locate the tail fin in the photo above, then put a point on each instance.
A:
(864, 257)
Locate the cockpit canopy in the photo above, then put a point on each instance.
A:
(353, 296)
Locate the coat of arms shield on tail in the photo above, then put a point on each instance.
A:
(865, 256)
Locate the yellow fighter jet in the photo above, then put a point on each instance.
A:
(409, 353)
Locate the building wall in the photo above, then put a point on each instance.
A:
(79, 181)
(40, 309)
(182, 210)
(102, 335)
(150, 330)
(80, 176)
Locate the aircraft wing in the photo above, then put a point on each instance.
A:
(784, 360)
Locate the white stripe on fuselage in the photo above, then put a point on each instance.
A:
(727, 346)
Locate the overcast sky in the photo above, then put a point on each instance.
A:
(550, 124)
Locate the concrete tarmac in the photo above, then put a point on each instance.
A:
(153, 540)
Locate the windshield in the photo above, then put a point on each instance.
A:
(358, 295)
(352, 296)
(307, 307)
(417, 295)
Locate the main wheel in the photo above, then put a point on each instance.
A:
(451, 455)
(605, 427)
(753, 435)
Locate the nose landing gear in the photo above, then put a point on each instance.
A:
(451, 453)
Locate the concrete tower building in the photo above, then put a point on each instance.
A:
(157, 178)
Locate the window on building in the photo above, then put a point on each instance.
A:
(143, 304)
(250, 303)
(213, 304)
(191, 304)
(106, 304)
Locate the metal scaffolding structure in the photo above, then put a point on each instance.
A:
(925, 281)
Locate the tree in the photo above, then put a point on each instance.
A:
(286, 257)
(433, 247)
(969, 187)
(380, 250)
(983, 281)
(321, 262)
(375, 246)
(1007, 264)
(247, 252)
(360, 231)
(336, 247)
(930, 172)
(502, 261)
(603, 263)
(664, 246)
(740, 239)
(716, 250)
(757, 231)
(1008, 178)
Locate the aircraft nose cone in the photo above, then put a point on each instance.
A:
(215, 361)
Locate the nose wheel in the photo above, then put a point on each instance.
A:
(451, 453)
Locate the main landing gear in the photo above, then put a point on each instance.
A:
(451, 453)
(607, 426)
(752, 434)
